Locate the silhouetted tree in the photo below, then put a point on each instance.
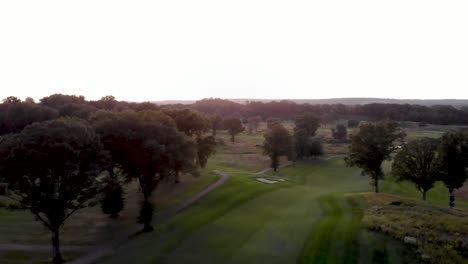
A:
(107, 102)
(233, 126)
(52, 167)
(146, 146)
(453, 162)
(353, 123)
(15, 116)
(206, 146)
(340, 132)
(216, 122)
(189, 121)
(278, 142)
(11, 100)
(304, 131)
(253, 123)
(371, 146)
(416, 163)
(113, 197)
(306, 124)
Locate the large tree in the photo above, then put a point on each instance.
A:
(189, 121)
(340, 132)
(15, 115)
(306, 124)
(234, 126)
(215, 122)
(253, 123)
(51, 167)
(193, 125)
(278, 142)
(453, 162)
(145, 146)
(371, 145)
(304, 131)
(416, 163)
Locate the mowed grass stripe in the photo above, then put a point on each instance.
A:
(268, 229)
(150, 248)
(334, 238)
(317, 248)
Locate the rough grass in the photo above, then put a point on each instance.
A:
(441, 233)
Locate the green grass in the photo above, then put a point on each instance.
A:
(314, 216)
(153, 247)
(438, 195)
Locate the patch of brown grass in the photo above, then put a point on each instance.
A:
(441, 233)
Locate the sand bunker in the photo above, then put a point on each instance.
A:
(266, 181)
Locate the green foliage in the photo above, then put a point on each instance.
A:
(14, 116)
(146, 146)
(340, 132)
(11, 100)
(307, 147)
(304, 143)
(69, 105)
(373, 144)
(453, 161)
(206, 146)
(234, 126)
(416, 163)
(215, 122)
(112, 201)
(278, 142)
(253, 123)
(189, 121)
(306, 125)
(52, 167)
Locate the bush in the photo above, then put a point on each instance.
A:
(353, 123)
(340, 132)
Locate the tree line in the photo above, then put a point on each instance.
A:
(65, 153)
(302, 144)
(288, 110)
(422, 161)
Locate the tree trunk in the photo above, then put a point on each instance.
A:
(232, 137)
(214, 132)
(177, 176)
(452, 198)
(147, 215)
(424, 195)
(376, 184)
(274, 162)
(57, 256)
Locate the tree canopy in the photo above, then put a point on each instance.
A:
(371, 145)
(304, 131)
(416, 163)
(278, 142)
(52, 167)
(453, 162)
(234, 126)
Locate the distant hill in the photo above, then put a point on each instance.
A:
(345, 101)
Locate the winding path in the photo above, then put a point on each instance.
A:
(97, 252)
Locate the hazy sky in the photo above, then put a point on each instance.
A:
(156, 50)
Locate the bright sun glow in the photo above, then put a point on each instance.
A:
(156, 50)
